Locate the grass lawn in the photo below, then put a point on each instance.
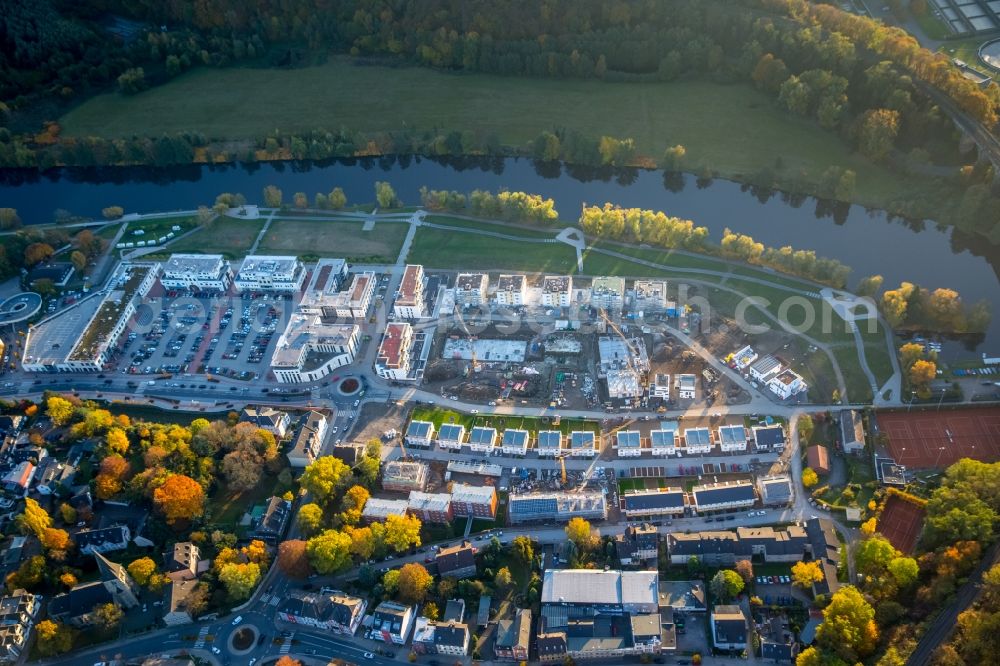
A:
(967, 50)
(108, 231)
(485, 225)
(860, 486)
(323, 238)
(858, 388)
(437, 248)
(224, 235)
(225, 508)
(709, 119)
(154, 227)
(879, 362)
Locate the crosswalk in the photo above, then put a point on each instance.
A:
(200, 643)
(272, 599)
(286, 645)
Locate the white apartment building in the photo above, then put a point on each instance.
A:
(557, 291)
(608, 293)
(393, 360)
(307, 337)
(326, 296)
(650, 296)
(470, 288)
(270, 273)
(196, 271)
(786, 384)
(409, 303)
(511, 290)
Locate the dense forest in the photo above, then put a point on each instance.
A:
(865, 81)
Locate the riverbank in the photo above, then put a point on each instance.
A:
(407, 110)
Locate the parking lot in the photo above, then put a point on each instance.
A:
(178, 332)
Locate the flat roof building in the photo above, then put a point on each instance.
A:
(197, 271)
(511, 290)
(404, 476)
(409, 303)
(482, 439)
(663, 441)
(430, 507)
(451, 436)
(628, 443)
(420, 434)
(475, 501)
(470, 288)
(583, 444)
(607, 293)
(270, 273)
(393, 360)
(697, 441)
(310, 349)
(557, 291)
(732, 438)
(650, 296)
(530, 507)
(377, 509)
(659, 502)
(723, 496)
(515, 442)
(549, 443)
(769, 438)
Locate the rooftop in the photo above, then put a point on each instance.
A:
(723, 492)
(420, 501)
(557, 284)
(582, 439)
(697, 437)
(268, 265)
(590, 586)
(451, 432)
(516, 438)
(187, 264)
(663, 498)
(410, 285)
(471, 281)
(380, 508)
(608, 284)
(124, 288)
(628, 439)
(511, 283)
(463, 492)
(306, 332)
(391, 352)
(483, 435)
(549, 439)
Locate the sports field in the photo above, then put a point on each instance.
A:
(937, 438)
(901, 522)
(710, 120)
(323, 238)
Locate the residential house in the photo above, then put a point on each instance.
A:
(683, 596)
(786, 384)
(430, 507)
(723, 496)
(659, 389)
(628, 443)
(457, 561)
(270, 526)
(638, 545)
(511, 290)
(775, 490)
(825, 547)
(470, 288)
(686, 386)
(787, 545)
(420, 434)
(663, 442)
(729, 628)
(653, 503)
(583, 444)
(818, 458)
(551, 646)
(104, 540)
(549, 443)
(764, 368)
(182, 565)
(513, 637)
(482, 440)
(176, 610)
(697, 441)
(725, 547)
(454, 610)
(474, 501)
(769, 438)
(18, 612)
(514, 442)
(852, 431)
(328, 611)
(51, 475)
(391, 622)
(272, 420)
(451, 436)
(18, 479)
(445, 637)
(712, 548)
(307, 444)
(732, 439)
(114, 585)
(404, 475)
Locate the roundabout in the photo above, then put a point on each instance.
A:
(348, 386)
(243, 639)
(20, 307)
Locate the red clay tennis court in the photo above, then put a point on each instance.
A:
(900, 522)
(923, 439)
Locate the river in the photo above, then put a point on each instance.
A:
(867, 240)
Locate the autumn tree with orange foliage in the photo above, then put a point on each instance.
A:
(179, 498)
(293, 559)
(113, 473)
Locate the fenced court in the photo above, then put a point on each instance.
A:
(937, 438)
(901, 522)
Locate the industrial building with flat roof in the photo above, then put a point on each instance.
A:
(80, 338)
(529, 507)
(270, 273)
(199, 271)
